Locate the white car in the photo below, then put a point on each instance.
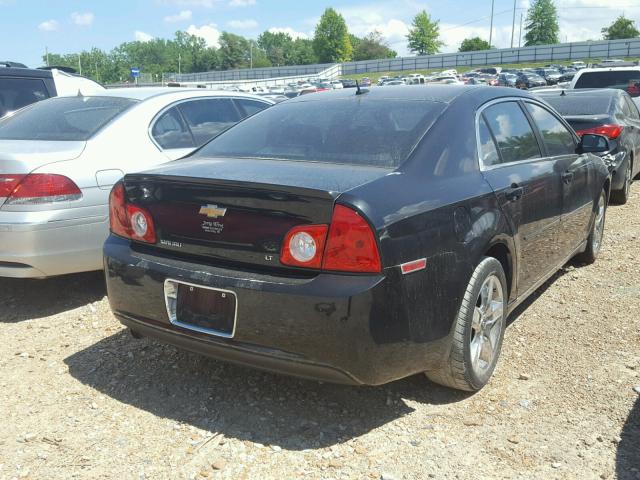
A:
(336, 85)
(60, 157)
(622, 78)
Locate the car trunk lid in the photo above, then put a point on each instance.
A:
(238, 211)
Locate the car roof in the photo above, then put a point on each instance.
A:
(609, 69)
(581, 92)
(431, 93)
(145, 93)
(24, 72)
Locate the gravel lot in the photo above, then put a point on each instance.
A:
(80, 398)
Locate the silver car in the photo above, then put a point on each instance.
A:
(60, 157)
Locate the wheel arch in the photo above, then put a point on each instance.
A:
(500, 250)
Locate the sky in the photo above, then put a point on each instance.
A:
(28, 27)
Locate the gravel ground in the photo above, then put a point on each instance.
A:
(80, 398)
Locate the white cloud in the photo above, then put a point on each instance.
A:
(209, 33)
(82, 19)
(290, 31)
(183, 16)
(190, 3)
(142, 36)
(241, 3)
(243, 24)
(49, 26)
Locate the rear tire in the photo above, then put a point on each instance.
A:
(594, 241)
(478, 330)
(621, 196)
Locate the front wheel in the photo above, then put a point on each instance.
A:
(478, 331)
(594, 241)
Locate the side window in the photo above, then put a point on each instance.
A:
(249, 107)
(488, 151)
(512, 131)
(171, 132)
(209, 117)
(16, 93)
(557, 138)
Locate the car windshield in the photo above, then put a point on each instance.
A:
(568, 105)
(379, 133)
(63, 118)
(627, 80)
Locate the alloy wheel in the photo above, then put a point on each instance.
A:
(487, 324)
(598, 227)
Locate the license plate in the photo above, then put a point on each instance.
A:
(201, 309)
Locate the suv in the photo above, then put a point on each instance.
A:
(622, 78)
(21, 86)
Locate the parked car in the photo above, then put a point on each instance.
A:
(398, 247)
(60, 157)
(578, 65)
(391, 83)
(336, 85)
(622, 78)
(567, 74)
(21, 86)
(613, 114)
(348, 83)
(551, 75)
(528, 80)
(366, 82)
(490, 70)
(507, 80)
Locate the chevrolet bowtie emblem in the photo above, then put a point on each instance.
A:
(212, 211)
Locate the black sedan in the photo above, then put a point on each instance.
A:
(608, 112)
(358, 237)
(528, 80)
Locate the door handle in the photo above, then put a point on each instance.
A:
(514, 192)
(567, 178)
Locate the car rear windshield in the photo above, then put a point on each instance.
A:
(580, 104)
(63, 118)
(357, 131)
(627, 80)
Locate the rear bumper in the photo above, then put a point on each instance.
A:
(47, 248)
(336, 328)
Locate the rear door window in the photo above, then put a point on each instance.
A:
(249, 107)
(488, 152)
(512, 131)
(16, 93)
(170, 131)
(208, 117)
(557, 138)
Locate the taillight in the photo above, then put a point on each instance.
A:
(304, 246)
(38, 188)
(129, 221)
(611, 131)
(351, 245)
(347, 245)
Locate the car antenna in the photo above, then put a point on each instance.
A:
(563, 93)
(360, 91)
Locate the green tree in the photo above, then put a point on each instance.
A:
(371, 47)
(303, 52)
(278, 47)
(474, 44)
(233, 51)
(542, 24)
(424, 35)
(331, 41)
(622, 28)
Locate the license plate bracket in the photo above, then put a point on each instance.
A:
(202, 309)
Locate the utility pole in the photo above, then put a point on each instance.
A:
(513, 23)
(250, 53)
(179, 63)
(520, 32)
(491, 27)
(79, 64)
(46, 51)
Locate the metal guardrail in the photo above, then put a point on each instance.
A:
(561, 52)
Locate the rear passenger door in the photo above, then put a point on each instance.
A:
(527, 185)
(632, 119)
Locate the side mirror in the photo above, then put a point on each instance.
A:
(591, 143)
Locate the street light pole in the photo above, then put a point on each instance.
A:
(491, 27)
(179, 63)
(513, 23)
(250, 53)
(520, 32)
